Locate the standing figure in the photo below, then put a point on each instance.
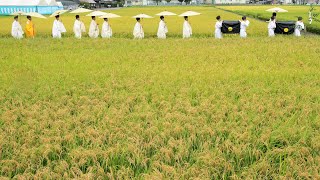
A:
(16, 30)
(187, 30)
(78, 27)
(271, 26)
(138, 30)
(106, 31)
(162, 30)
(218, 26)
(243, 27)
(30, 31)
(57, 28)
(94, 29)
(299, 27)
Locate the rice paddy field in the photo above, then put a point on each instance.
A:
(196, 108)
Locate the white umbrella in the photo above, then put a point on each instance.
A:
(142, 16)
(166, 13)
(80, 10)
(97, 13)
(18, 13)
(110, 15)
(59, 12)
(34, 14)
(276, 9)
(190, 13)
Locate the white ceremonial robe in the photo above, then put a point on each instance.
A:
(16, 30)
(243, 28)
(271, 27)
(83, 27)
(217, 32)
(57, 29)
(162, 30)
(78, 28)
(93, 30)
(299, 27)
(138, 31)
(106, 31)
(187, 30)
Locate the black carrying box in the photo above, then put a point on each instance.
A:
(285, 27)
(230, 27)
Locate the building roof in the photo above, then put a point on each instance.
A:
(88, 1)
(27, 2)
(42, 3)
(53, 3)
(60, 4)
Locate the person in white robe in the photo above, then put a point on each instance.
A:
(218, 26)
(78, 27)
(162, 29)
(187, 30)
(299, 27)
(243, 27)
(138, 30)
(58, 28)
(271, 26)
(94, 28)
(106, 31)
(16, 30)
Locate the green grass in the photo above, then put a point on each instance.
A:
(292, 15)
(160, 109)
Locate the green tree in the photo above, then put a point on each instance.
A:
(157, 1)
(181, 1)
(85, 4)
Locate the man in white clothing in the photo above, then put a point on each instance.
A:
(243, 27)
(94, 29)
(16, 30)
(78, 27)
(218, 26)
(187, 30)
(106, 31)
(271, 26)
(138, 30)
(299, 27)
(58, 28)
(162, 30)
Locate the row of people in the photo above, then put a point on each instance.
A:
(299, 26)
(138, 32)
(244, 23)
